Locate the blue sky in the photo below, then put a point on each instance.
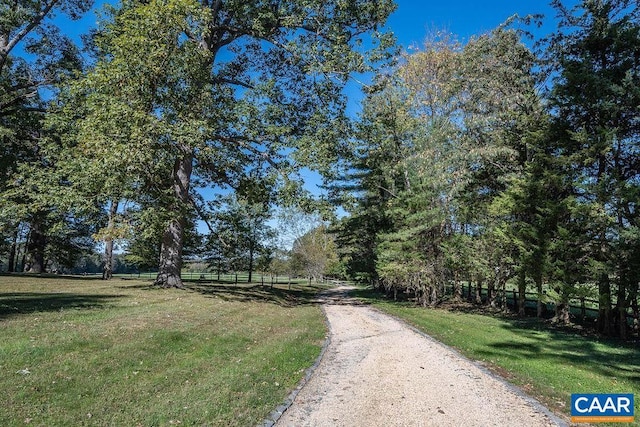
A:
(414, 18)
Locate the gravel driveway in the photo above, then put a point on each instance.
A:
(377, 371)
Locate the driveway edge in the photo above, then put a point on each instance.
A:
(275, 415)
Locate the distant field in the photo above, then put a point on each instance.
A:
(222, 278)
(549, 364)
(81, 351)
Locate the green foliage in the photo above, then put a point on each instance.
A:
(596, 92)
(34, 57)
(240, 234)
(465, 171)
(314, 253)
(215, 92)
(441, 140)
(460, 149)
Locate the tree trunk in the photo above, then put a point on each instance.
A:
(457, 287)
(23, 259)
(12, 252)
(170, 267)
(434, 295)
(169, 270)
(492, 292)
(251, 254)
(107, 271)
(604, 305)
(621, 308)
(522, 292)
(502, 286)
(635, 309)
(539, 305)
(562, 315)
(479, 283)
(35, 248)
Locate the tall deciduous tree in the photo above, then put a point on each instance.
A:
(316, 252)
(34, 55)
(207, 91)
(28, 26)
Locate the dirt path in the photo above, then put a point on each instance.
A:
(376, 371)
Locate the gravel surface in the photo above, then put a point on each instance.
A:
(377, 371)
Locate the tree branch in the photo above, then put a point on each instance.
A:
(4, 50)
(233, 82)
(200, 213)
(245, 143)
(386, 190)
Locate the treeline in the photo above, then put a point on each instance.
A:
(172, 113)
(238, 243)
(493, 162)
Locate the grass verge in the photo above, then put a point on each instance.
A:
(549, 364)
(88, 352)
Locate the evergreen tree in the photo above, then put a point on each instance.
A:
(595, 96)
(240, 234)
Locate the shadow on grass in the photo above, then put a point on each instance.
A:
(282, 295)
(368, 296)
(296, 296)
(139, 286)
(53, 276)
(607, 357)
(18, 303)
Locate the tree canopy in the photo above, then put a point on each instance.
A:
(492, 161)
(487, 162)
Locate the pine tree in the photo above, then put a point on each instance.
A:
(595, 97)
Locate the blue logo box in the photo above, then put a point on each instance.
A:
(602, 408)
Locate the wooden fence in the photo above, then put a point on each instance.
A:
(582, 309)
(233, 278)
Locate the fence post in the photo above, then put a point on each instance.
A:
(583, 309)
(236, 280)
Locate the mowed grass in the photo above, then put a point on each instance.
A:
(87, 352)
(549, 364)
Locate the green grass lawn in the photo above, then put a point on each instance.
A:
(549, 364)
(77, 351)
